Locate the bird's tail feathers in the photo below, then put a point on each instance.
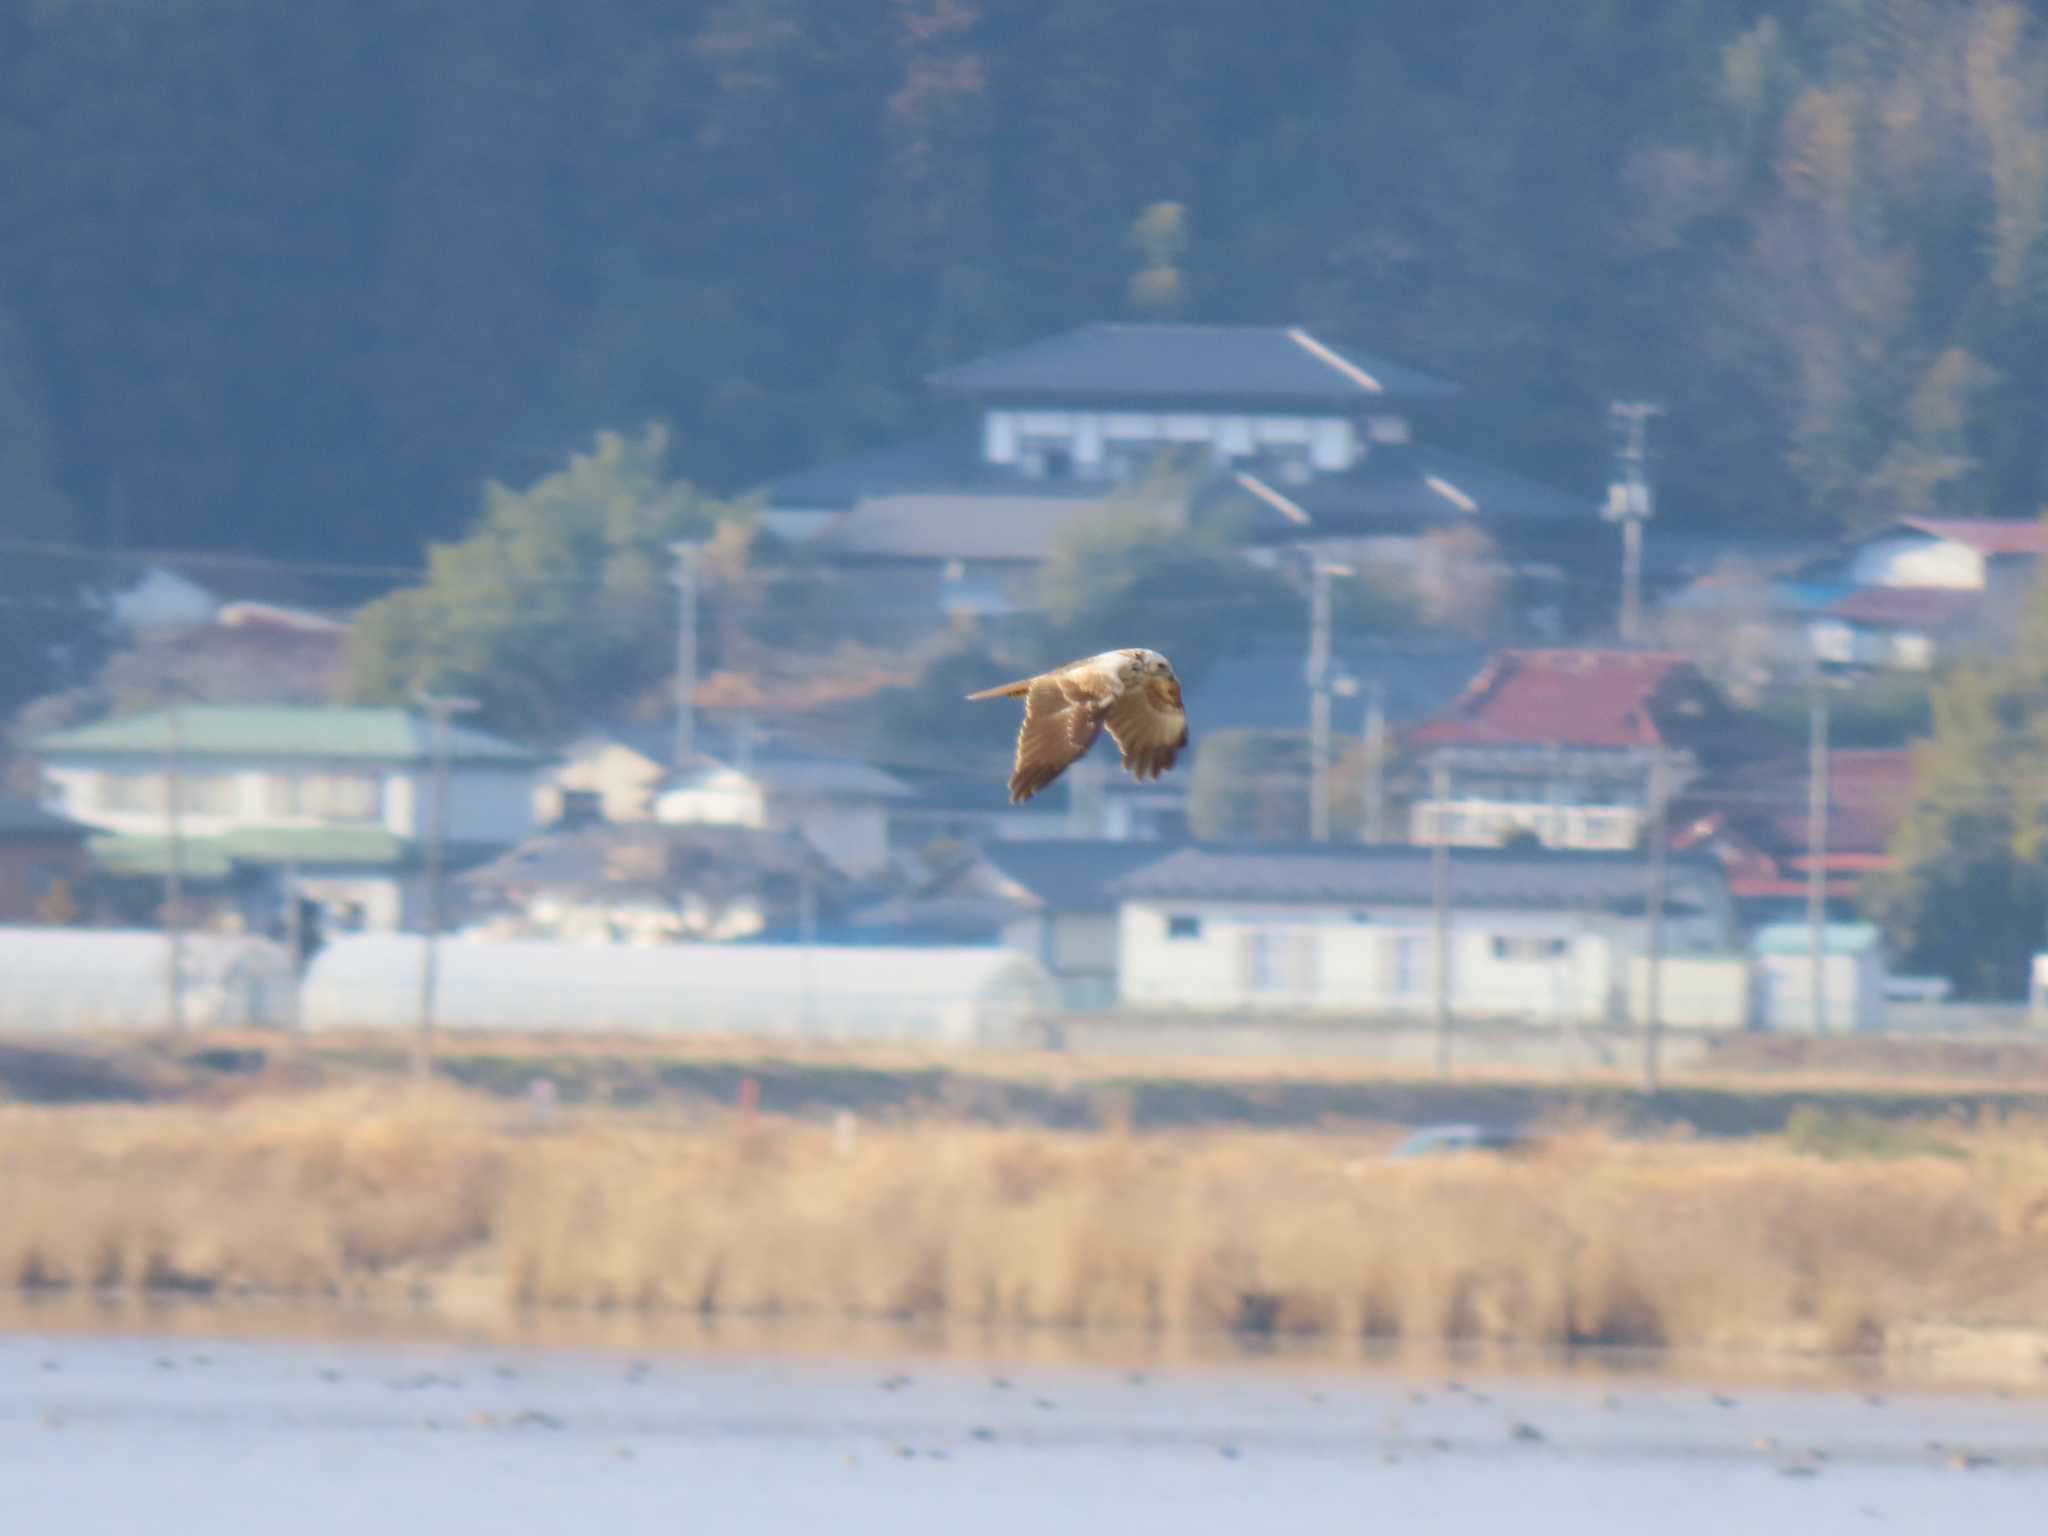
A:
(1015, 690)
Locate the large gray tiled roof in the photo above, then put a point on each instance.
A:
(1217, 364)
(1399, 485)
(1400, 876)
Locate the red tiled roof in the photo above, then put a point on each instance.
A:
(1580, 698)
(1757, 814)
(1904, 607)
(1986, 535)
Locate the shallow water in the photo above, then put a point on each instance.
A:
(174, 1431)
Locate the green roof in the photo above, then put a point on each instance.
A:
(211, 858)
(214, 730)
(199, 859)
(1797, 938)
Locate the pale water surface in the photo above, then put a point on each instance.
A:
(180, 1432)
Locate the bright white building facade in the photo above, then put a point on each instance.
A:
(341, 798)
(1537, 937)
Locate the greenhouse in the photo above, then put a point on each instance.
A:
(54, 980)
(949, 996)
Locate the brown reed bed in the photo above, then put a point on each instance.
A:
(1813, 1242)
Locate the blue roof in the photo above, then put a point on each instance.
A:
(1811, 596)
(1113, 362)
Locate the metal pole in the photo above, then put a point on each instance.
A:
(1375, 765)
(1653, 979)
(295, 940)
(1631, 579)
(807, 931)
(439, 708)
(1440, 903)
(1817, 850)
(686, 654)
(174, 872)
(1633, 505)
(1319, 704)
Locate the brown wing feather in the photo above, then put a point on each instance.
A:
(1063, 714)
(1150, 727)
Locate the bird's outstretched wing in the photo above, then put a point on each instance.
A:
(1063, 714)
(1150, 727)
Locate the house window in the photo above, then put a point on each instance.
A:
(1183, 925)
(1046, 458)
(1506, 947)
(210, 794)
(337, 796)
(132, 792)
(1280, 962)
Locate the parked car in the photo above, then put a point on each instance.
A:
(1434, 1140)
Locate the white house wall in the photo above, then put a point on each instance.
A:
(1917, 561)
(1565, 969)
(621, 778)
(1852, 995)
(486, 804)
(728, 800)
(491, 804)
(163, 600)
(1088, 437)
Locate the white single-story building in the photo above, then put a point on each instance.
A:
(1539, 935)
(1852, 977)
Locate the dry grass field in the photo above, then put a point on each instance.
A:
(1841, 1235)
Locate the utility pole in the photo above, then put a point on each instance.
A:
(1817, 848)
(174, 869)
(1440, 904)
(686, 652)
(295, 940)
(1376, 764)
(439, 708)
(1653, 942)
(1631, 503)
(807, 932)
(1319, 696)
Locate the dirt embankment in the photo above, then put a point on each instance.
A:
(1756, 1085)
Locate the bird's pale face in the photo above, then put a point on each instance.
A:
(1154, 673)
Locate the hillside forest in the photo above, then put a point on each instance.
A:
(303, 278)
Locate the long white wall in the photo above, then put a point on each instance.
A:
(1545, 966)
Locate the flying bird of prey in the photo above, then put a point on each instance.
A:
(1134, 693)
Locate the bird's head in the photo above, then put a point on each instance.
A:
(1155, 673)
(1146, 665)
